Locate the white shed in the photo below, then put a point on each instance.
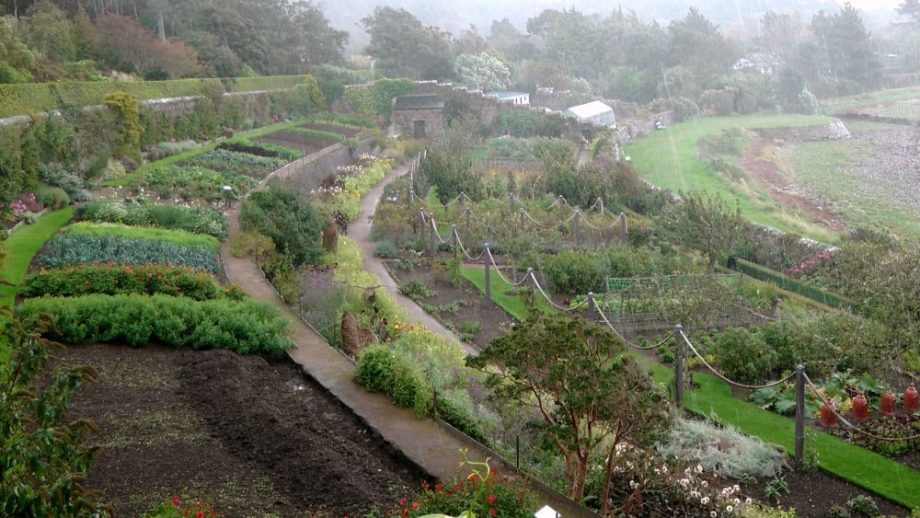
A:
(519, 98)
(594, 112)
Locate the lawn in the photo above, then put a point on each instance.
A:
(20, 248)
(669, 159)
(712, 398)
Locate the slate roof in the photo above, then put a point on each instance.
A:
(419, 102)
(505, 95)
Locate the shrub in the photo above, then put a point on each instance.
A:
(416, 290)
(255, 245)
(863, 505)
(53, 198)
(56, 176)
(200, 220)
(112, 280)
(71, 248)
(837, 511)
(381, 369)
(196, 181)
(178, 237)
(290, 222)
(246, 326)
(481, 493)
(386, 250)
(724, 451)
(575, 272)
(743, 355)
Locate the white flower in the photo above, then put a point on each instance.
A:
(664, 469)
(704, 500)
(748, 501)
(737, 501)
(695, 494)
(704, 483)
(736, 488)
(712, 514)
(729, 509)
(684, 482)
(699, 468)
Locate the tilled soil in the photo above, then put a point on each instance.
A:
(251, 436)
(813, 493)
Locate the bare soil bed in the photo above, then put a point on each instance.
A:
(305, 143)
(813, 493)
(252, 436)
(895, 165)
(453, 305)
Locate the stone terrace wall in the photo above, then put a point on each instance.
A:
(306, 173)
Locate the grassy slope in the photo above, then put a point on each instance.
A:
(669, 159)
(185, 155)
(896, 102)
(713, 399)
(21, 246)
(827, 168)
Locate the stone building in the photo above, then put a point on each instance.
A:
(419, 115)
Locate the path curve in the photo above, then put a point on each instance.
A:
(360, 232)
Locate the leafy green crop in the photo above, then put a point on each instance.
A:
(73, 248)
(247, 326)
(179, 237)
(227, 161)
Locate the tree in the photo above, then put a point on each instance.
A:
(695, 43)
(847, 46)
(910, 8)
(781, 34)
(483, 71)
(591, 395)
(49, 32)
(404, 47)
(707, 223)
(576, 42)
(43, 460)
(125, 45)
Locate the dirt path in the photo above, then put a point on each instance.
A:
(766, 173)
(360, 232)
(432, 447)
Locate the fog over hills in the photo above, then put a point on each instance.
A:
(454, 16)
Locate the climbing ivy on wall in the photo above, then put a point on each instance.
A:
(127, 130)
(376, 98)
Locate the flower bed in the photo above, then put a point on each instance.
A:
(196, 182)
(246, 326)
(199, 220)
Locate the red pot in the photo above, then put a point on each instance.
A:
(886, 403)
(911, 399)
(860, 408)
(828, 417)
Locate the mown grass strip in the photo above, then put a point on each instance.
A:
(713, 399)
(503, 293)
(20, 248)
(185, 155)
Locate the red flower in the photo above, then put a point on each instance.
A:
(438, 486)
(415, 505)
(473, 478)
(490, 499)
(175, 501)
(402, 502)
(199, 514)
(492, 471)
(492, 511)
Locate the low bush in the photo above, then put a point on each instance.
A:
(386, 250)
(56, 176)
(290, 222)
(113, 280)
(246, 326)
(381, 369)
(53, 198)
(72, 248)
(416, 290)
(199, 220)
(744, 355)
(863, 505)
(178, 237)
(724, 451)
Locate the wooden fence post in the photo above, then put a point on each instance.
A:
(799, 415)
(679, 367)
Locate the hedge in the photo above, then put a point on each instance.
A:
(72, 248)
(246, 326)
(29, 98)
(381, 369)
(178, 237)
(789, 284)
(81, 280)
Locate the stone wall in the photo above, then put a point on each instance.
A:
(404, 120)
(306, 173)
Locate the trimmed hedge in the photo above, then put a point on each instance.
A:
(380, 369)
(29, 98)
(178, 237)
(72, 248)
(377, 98)
(789, 284)
(246, 326)
(76, 281)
